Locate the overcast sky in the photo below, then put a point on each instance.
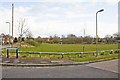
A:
(61, 17)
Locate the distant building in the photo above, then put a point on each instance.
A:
(6, 39)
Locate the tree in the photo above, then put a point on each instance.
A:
(109, 39)
(56, 36)
(29, 34)
(107, 36)
(22, 28)
(116, 34)
(39, 37)
(117, 37)
(63, 36)
(88, 39)
(71, 36)
(15, 40)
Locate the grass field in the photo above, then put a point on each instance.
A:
(68, 47)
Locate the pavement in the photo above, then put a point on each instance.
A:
(111, 65)
(105, 69)
(14, 68)
(34, 62)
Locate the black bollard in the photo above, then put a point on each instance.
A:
(17, 53)
(7, 53)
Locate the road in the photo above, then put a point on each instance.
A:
(93, 70)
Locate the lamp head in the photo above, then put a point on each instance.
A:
(7, 22)
(101, 10)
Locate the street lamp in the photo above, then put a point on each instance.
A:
(9, 27)
(97, 32)
(9, 31)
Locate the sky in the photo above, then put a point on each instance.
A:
(61, 17)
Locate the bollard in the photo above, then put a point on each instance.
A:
(81, 54)
(17, 53)
(62, 55)
(111, 51)
(102, 52)
(40, 54)
(7, 53)
(30, 54)
(49, 55)
(93, 53)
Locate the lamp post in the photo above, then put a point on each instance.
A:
(84, 42)
(9, 31)
(97, 32)
(9, 27)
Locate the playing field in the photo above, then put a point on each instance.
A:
(68, 47)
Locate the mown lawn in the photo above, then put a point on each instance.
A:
(68, 47)
(72, 57)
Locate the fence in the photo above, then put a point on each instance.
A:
(80, 54)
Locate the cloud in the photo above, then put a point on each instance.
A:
(45, 19)
(59, 1)
(6, 16)
(112, 2)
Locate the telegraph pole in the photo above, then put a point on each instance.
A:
(12, 18)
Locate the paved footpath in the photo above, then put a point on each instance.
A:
(111, 65)
(106, 69)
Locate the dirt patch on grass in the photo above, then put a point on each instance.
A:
(34, 60)
(22, 45)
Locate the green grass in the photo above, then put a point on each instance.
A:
(93, 58)
(74, 57)
(68, 47)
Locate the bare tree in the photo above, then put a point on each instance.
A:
(29, 34)
(22, 28)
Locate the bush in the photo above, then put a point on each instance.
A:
(15, 40)
(116, 51)
(32, 42)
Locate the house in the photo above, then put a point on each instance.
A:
(6, 39)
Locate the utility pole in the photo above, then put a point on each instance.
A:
(12, 22)
(12, 18)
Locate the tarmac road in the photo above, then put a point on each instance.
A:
(78, 71)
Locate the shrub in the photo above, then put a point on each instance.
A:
(32, 42)
(15, 40)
